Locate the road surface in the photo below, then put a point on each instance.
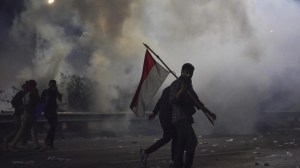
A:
(272, 150)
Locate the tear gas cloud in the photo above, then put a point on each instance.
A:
(245, 52)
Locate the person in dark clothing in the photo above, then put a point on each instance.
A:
(17, 104)
(163, 108)
(183, 107)
(28, 121)
(49, 97)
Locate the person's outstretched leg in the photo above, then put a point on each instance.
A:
(158, 144)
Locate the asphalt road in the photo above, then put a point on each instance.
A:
(273, 150)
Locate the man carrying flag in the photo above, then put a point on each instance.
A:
(182, 99)
(152, 78)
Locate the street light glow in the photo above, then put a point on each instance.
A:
(50, 2)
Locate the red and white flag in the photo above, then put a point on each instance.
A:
(152, 78)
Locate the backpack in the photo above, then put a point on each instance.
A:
(16, 101)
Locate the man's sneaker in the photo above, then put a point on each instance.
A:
(144, 157)
(40, 148)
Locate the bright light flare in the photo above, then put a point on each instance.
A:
(50, 2)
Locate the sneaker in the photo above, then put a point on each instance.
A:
(13, 149)
(40, 148)
(144, 157)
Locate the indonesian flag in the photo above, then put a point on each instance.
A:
(152, 78)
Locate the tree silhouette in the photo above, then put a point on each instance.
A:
(79, 92)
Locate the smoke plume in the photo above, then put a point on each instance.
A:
(245, 52)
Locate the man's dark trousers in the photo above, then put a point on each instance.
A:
(186, 140)
(51, 116)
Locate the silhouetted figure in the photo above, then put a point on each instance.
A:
(183, 107)
(49, 97)
(28, 120)
(17, 104)
(164, 109)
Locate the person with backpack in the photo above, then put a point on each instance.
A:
(17, 104)
(163, 108)
(184, 99)
(49, 97)
(28, 121)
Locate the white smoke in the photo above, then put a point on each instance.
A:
(242, 50)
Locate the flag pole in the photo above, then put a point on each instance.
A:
(204, 109)
(157, 56)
